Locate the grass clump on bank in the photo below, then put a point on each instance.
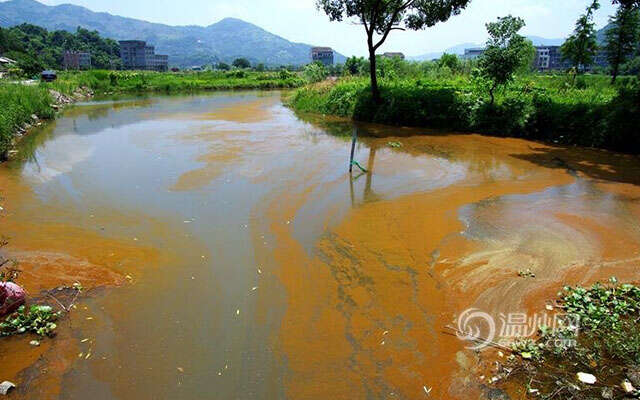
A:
(107, 82)
(18, 103)
(588, 112)
(602, 342)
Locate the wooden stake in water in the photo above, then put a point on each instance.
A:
(353, 162)
(354, 138)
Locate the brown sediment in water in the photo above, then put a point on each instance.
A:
(52, 254)
(367, 310)
(245, 112)
(365, 314)
(355, 286)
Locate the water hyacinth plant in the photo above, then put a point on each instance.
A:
(39, 319)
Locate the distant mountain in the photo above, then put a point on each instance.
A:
(186, 45)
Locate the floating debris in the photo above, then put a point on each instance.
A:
(395, 145)
(586, 378)
(5, 387)
(180, 369)
(627, 387)
(253, 289)
(526, 274)
(34, 343)
(238, 311)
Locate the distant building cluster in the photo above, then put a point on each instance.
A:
(136, 54)
(393, 55)
(472, 54)
(76, 60)
(548, 58)
(323, 55)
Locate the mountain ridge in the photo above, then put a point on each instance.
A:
(186, 45)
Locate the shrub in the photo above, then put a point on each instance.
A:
(315, 72)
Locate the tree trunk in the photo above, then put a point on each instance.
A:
(375, 91)
(615, 73)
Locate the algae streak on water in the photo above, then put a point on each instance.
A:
(228, 253)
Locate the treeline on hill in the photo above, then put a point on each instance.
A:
(36, 49)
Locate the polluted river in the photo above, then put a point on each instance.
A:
(226, 252)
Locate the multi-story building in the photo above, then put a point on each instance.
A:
(472, 54)
(76, 60)
(549, 58)
(160, 63)
(393, 55)
(136, 54)
(322, 54)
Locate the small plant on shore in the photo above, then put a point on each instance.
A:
(38, 319)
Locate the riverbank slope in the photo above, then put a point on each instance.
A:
(590, 113)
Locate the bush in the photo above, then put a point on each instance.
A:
(315, 72)
(624, 121)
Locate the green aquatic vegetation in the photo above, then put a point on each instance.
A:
(38, 319)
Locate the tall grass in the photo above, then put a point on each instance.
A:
(147, 81)
(17, 104)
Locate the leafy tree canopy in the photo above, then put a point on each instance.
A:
(380, 17)
(241, 63)
(622, 38)
(35, 48)
(507, 51)
(581, 47)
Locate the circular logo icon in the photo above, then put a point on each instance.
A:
(471, 325)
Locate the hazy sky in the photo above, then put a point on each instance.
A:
(299, 21)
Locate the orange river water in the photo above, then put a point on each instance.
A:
(227, 253)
